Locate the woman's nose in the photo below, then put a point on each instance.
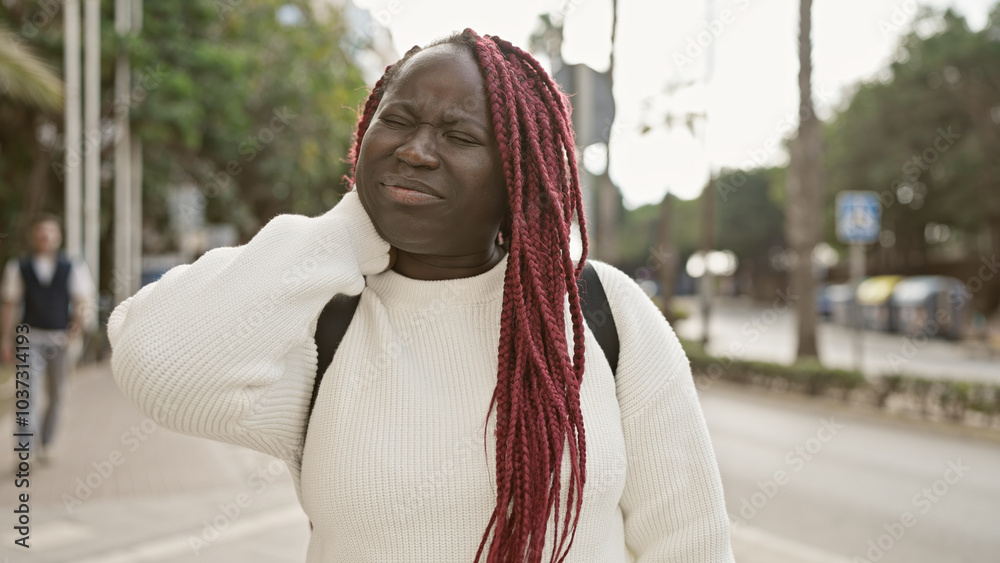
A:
(419, 150)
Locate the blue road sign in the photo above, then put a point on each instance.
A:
(859, 217)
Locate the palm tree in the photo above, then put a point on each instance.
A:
(609, 199)
(803, 226)
(24, 77)
(28, 87)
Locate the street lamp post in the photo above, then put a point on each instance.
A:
(128, 164)
(71, 55)
(92, 139)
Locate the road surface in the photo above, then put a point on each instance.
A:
(767, 332)
(123, 490)
(832, 481)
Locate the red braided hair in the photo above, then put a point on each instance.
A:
(537, 396)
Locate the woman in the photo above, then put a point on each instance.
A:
(456, 421)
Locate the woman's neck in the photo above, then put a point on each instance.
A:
(429, 267)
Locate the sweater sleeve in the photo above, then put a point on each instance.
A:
(223, 348)
(672, 503)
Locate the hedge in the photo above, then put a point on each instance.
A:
(958, 401)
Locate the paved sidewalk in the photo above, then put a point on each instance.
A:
(120, 489)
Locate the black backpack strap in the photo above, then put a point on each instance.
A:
(597, 312)
(338, 313)
(330, 330)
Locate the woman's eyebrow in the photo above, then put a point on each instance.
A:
(453, 116)
(449, 116)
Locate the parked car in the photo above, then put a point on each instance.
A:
(933, 305)
(874, 295)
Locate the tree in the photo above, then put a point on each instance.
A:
(255, 111)
(924, 136)
(749, 218)
(30, 95)
(608, 198)
(607, 202)
(803, 224)
(750, 222)
(24, 77)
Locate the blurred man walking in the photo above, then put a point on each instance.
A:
(56, 295)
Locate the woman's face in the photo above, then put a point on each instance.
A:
(429, 171)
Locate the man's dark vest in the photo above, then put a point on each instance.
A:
(46, 306)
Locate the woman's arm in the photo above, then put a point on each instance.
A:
(223, 348)
(672, 502)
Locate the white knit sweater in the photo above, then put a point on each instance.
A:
(395, 467)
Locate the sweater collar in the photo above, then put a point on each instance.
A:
(398, 291)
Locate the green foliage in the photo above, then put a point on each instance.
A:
(638, 230)
(951, 398)
(259, 115)
(954, 399)
(928, 126)
(208, 79)
(748, 219)
(807, 376)
(24, 159)
(24, 77)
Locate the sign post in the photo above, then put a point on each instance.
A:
(859, 222)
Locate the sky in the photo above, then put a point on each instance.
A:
(750, 97)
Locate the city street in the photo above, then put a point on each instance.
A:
(832, 480)
(767, 333)
(459, 161)
(122, 490)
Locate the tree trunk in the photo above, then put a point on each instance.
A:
(608, 200)
(805, 194)
(665, 257)
(707, 281)
(608, 206)
(38, 185)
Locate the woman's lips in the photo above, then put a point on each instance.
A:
(407, 196)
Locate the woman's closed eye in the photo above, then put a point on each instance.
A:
(394, 121)
(463, 139)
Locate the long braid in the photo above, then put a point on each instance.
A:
(537, 395)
